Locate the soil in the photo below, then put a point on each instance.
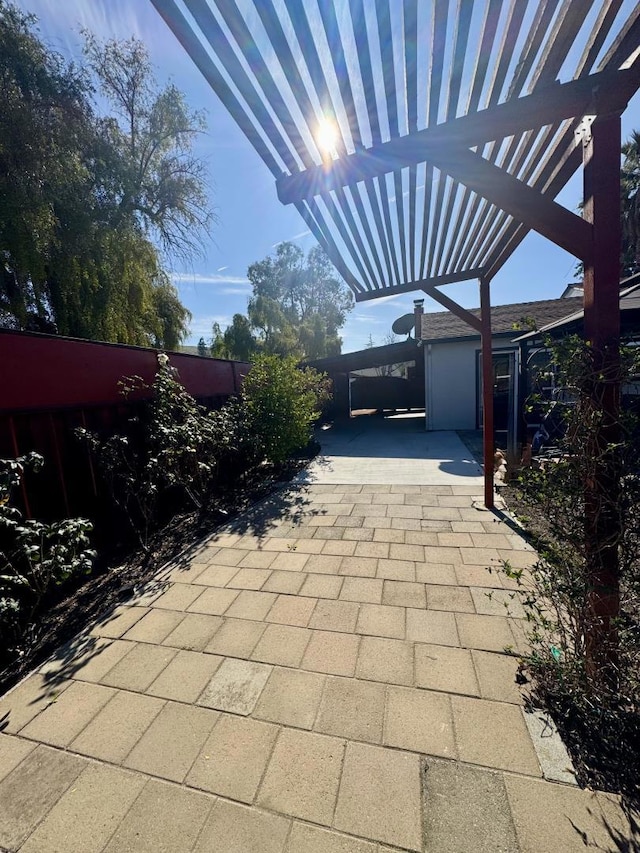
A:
(602, 738)
(72, 607)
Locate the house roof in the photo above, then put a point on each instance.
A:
(443, 325)
(629, 301)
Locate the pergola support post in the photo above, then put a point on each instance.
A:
(601, 158)
(487, 391)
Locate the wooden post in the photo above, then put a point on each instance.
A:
(601, 158)
(487, 391)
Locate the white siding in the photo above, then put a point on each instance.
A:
(451, 385)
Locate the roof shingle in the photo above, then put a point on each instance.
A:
(443, 324)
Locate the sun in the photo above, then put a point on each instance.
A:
(327, 136)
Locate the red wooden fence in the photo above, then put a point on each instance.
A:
(51, 385)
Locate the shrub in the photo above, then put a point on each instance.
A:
(599, 716)
(281, 403)
(168, 449)
(34, 556)
(175, 452)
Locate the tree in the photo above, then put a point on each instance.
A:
(236, 341)
(298, 305)
(630, 190)
(155, 180)
(203, 349)
(77, 212)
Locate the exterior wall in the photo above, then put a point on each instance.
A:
(450, 378)
(451, 389)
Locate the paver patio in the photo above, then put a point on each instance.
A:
(280, 691)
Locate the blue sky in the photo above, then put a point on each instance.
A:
(251, 220)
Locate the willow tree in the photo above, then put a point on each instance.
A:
(91, 204)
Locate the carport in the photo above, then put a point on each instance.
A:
(420, 142)
(378, 391)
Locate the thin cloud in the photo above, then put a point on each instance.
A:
(291, 239)
(376, 321)
(197, 278)
(373, 303)
(222, 269)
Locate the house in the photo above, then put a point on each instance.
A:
(452, 362)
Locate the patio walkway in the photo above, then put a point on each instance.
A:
(324, 675)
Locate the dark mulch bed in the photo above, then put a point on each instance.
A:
(78, 603)
(603, 742)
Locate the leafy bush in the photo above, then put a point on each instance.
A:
(281, 404)
(34, 556)
(175, 452)
(598, 714)
(169, 448)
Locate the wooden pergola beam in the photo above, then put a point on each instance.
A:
(607, 90)
(524, 203)
(454, 307)
(425, 284)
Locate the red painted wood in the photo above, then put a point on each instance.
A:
(47, 372)
(487, 392)
(601, 155)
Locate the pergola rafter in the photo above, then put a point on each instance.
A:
(457, 123)
(410, 86)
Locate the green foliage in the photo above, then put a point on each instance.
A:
(175, 452)
(236, 342)
(34, 556)
(83, 198)
(169, 450)
(282, 402)
(297, 308)
(556, 591)
(630, 191)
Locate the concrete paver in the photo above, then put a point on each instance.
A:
(493, 734)
(389, 661)
(64, 719)
(31, 790)
(238, 829)
(86, 816)
(379, 620)
(116, 729)
(287, 681)
(291, 697)
(311, 839)
(139, 667)
(234, 757)
(303, 776)
(173, 740)
(331, 652)
(28, 699)
(379, 796)
(236, 638)
(282, 644)
(194, 632)
(352, 709)
(466, 808)
(335, 615)
(236, 686)
(185, 677)
(445, 668)
(164, 819)
(420, 721)
(550, 817)
(12, 751)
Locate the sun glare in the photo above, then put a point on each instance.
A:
(327, 136)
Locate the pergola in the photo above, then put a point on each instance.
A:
(421, 140)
